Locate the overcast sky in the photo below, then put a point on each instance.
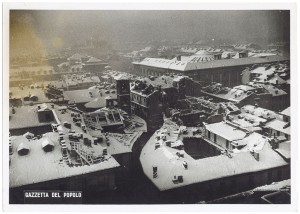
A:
(64, 28)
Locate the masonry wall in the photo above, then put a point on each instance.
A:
(38, 130)
(87, 183)
(199, 148)
(228, 76)
(278, 133)
(218, 188)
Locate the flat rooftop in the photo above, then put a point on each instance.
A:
(25, 117)
(21, 93)
(225, 131)
(90, 95)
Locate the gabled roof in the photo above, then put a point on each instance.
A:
(274, 90)
(76, 57)
(286, 112)
(93, 60)
(276, 80)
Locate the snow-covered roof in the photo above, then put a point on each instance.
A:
(99, 102)
(28, 135)
(247, 120)
(275, 186)
(277, 80)
(189, 50)
(253, 142)
(284, 149)
(237, 94)
(88, 95)
(279, 125)
(25, 116)
(121, 143)
(93, 60)
(274, 90)
(43, 107)
(169, 164)
(262, 70)
(46, 166)
(73, 80)
(163, 81)
(77, 57)
(199, 65)
(226, 131)
(260, 112)
(286, 112)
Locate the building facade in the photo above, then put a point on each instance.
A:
(147, 104)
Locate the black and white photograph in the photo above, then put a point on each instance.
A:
(138, 106)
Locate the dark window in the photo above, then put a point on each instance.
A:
(227, 144)
(215, 138)
(286, 136)
(278, 133)
(208, 134)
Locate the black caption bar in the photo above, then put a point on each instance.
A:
(52, 197)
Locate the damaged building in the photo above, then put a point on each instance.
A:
(237, 161)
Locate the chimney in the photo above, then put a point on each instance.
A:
(39, 107)
(154, 171)
(274, 143)
(180, 179)
(10, 148)
(105, 151)
(180, 154)
(256, 156)
(157, 145)
(168, 143)
(185, 165)
(178, 58)
(109, 102)
(217, 56)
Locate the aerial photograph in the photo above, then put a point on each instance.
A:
(149, 107)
